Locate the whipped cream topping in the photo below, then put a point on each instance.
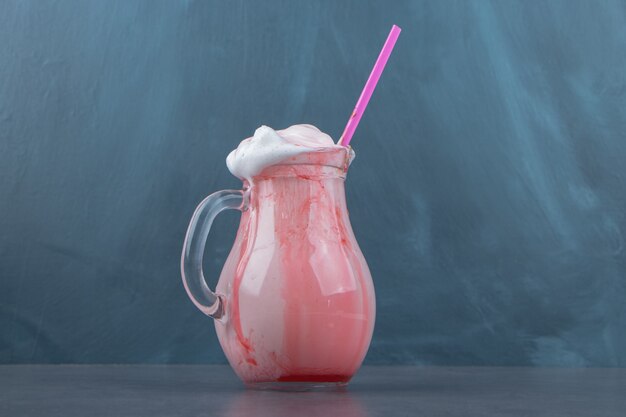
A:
(269, 147)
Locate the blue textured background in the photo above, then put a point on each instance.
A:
(488, 193)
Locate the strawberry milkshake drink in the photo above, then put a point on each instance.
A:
(299, 294)
(295, 299)
(294, 306)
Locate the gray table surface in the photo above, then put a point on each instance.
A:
(190, 390)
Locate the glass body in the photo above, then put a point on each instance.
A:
(295, 298)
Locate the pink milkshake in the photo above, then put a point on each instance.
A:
(294, 305)
(298, 296)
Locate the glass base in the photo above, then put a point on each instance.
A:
(303, 382)
(298, 386)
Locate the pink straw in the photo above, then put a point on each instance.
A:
(370, 85)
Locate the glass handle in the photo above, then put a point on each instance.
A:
(193, 250)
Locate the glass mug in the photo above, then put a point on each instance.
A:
(294, 305)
